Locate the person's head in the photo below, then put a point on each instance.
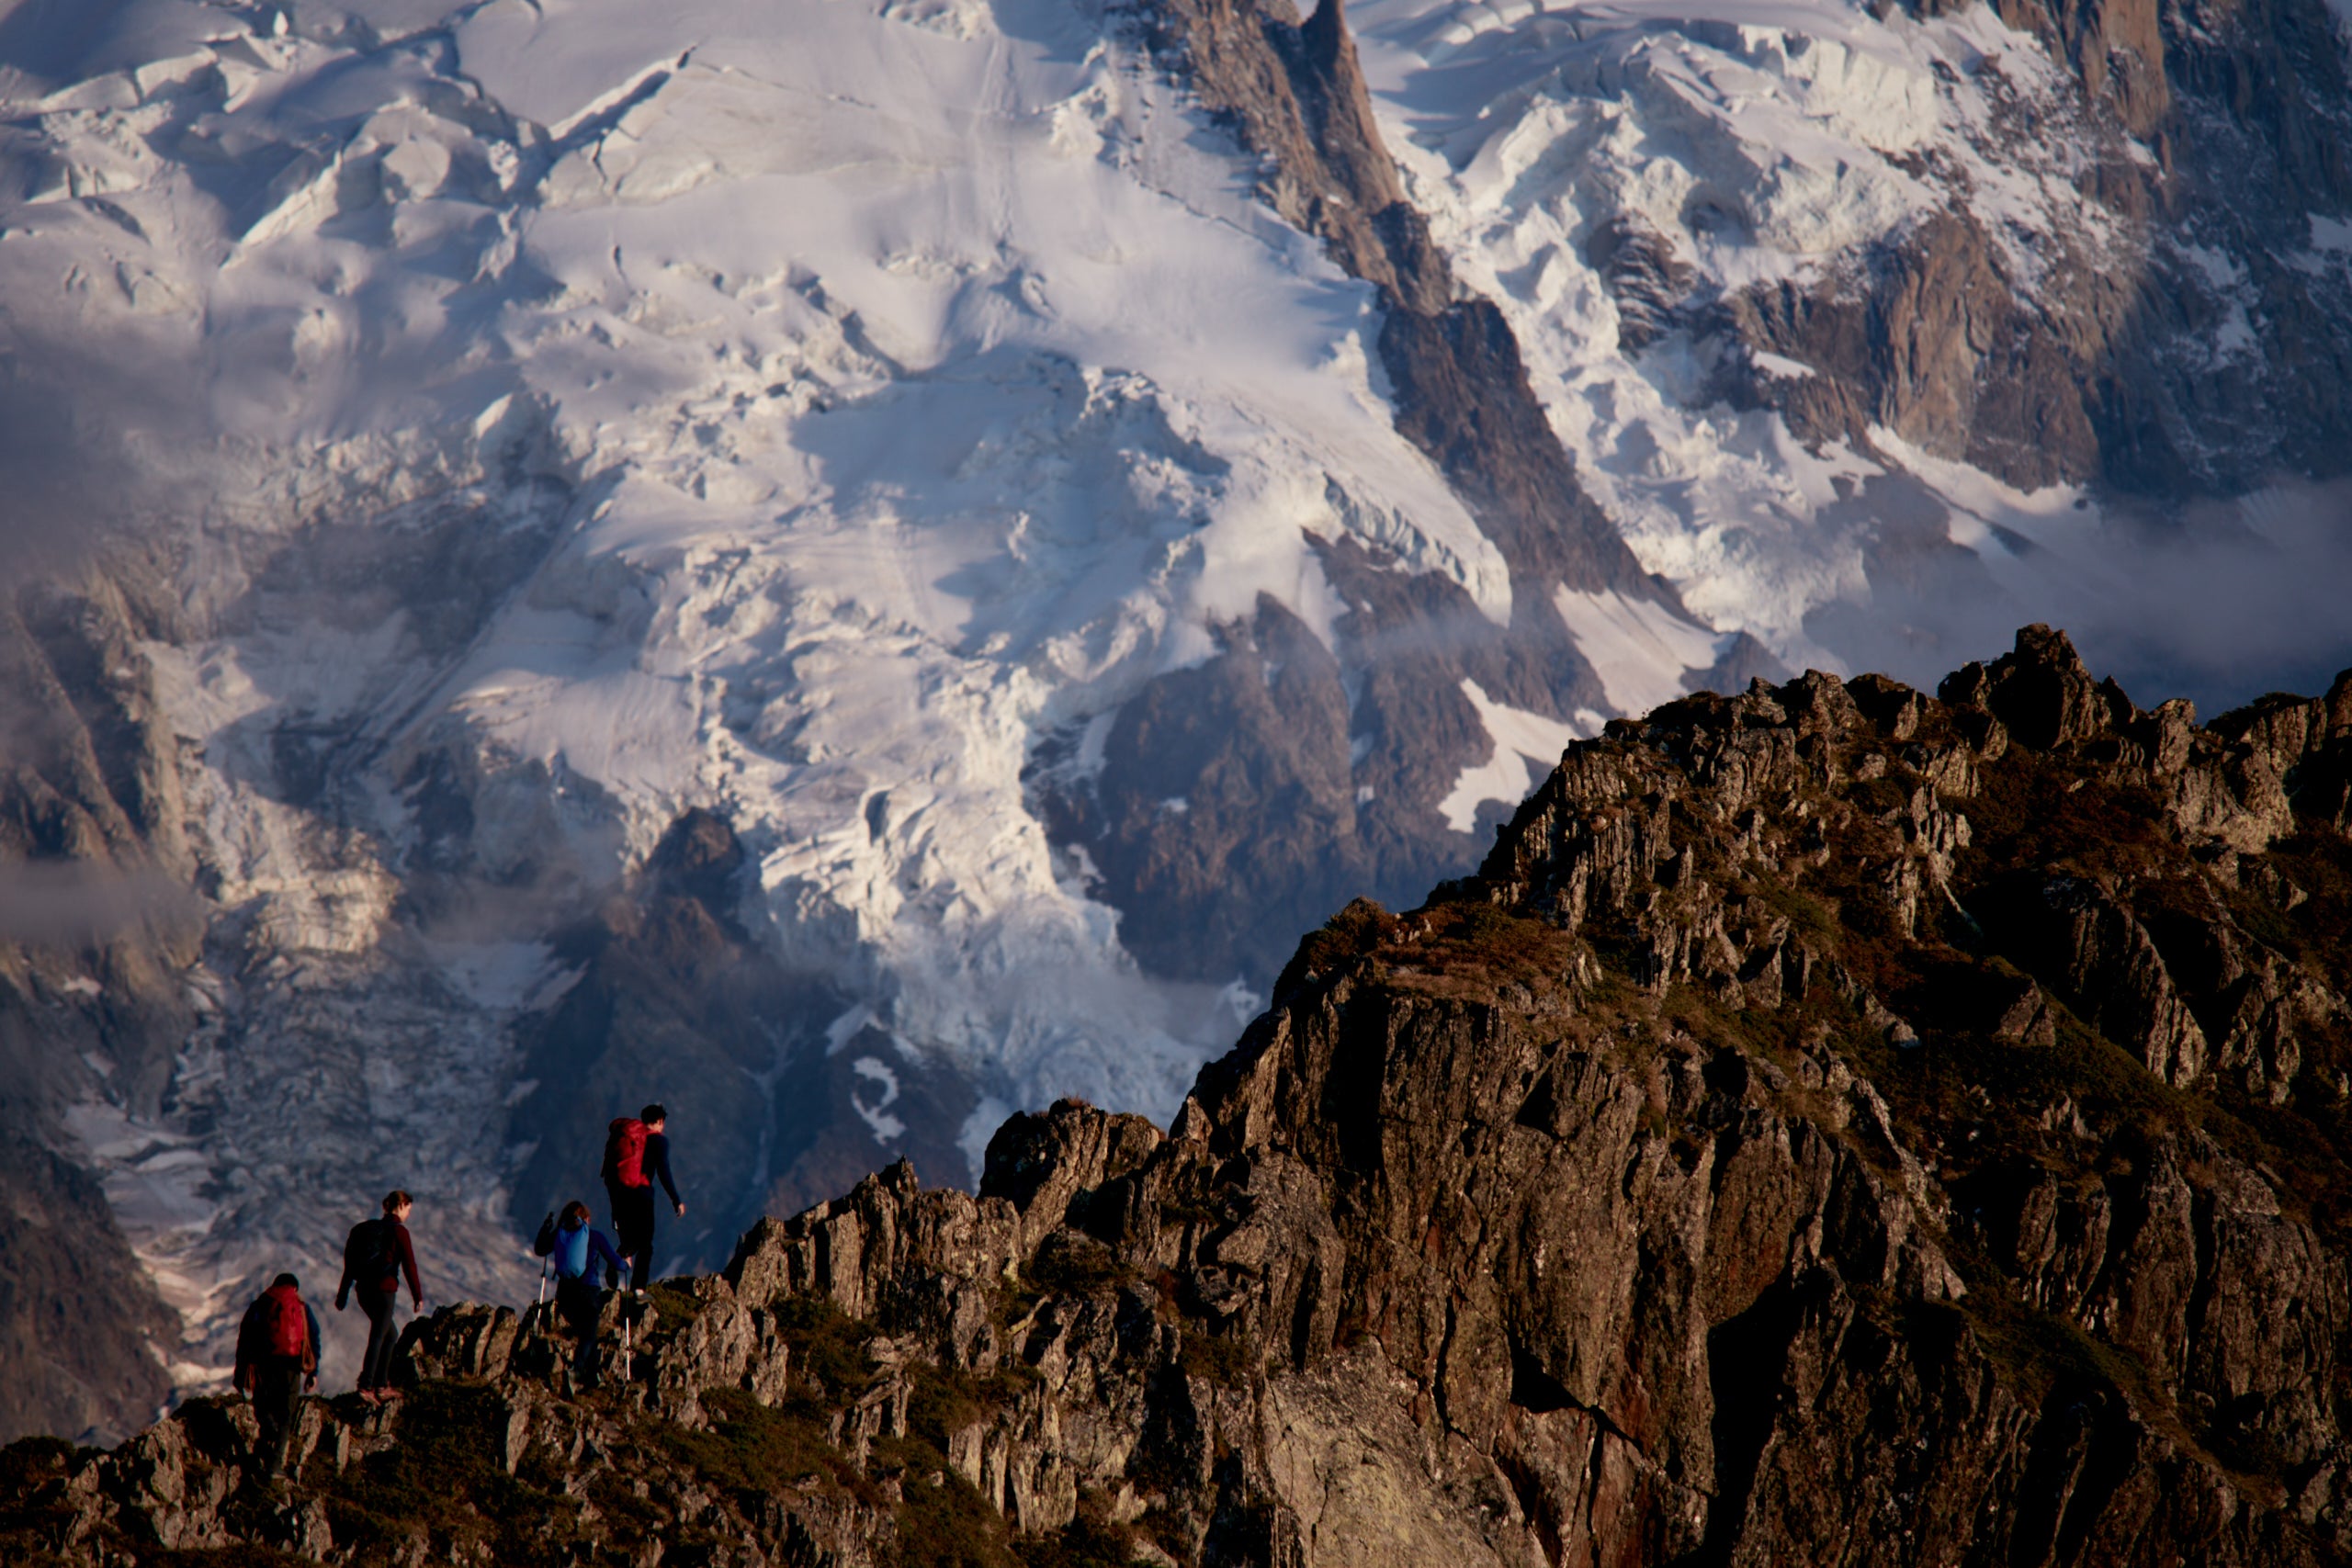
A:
(286, 1280)
(397, 1204)
(654, 1116)
(575, 1214)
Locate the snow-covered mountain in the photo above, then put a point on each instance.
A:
(852, 567)
(1882, 328)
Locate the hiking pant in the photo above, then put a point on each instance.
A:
(633, 1230)
(277, 1402)
(376, 1366)
(581, 1305)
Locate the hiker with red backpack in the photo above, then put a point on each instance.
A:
(637, 1151)
(277, 1357)
(375, 1255)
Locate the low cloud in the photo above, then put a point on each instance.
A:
(2219, 602)
(2233, 600)
(76, 902)
(76, 434)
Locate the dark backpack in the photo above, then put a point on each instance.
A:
(625, 1153)
(288, 1325)
(369, 1258)
(544, 1243)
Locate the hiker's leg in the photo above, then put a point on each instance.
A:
(277, 1402)
(581, 1309)
(637, 1241)
(625, 1225)
(376, 1366)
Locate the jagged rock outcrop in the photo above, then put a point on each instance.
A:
(1787, 1148)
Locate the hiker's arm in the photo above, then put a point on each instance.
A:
(408, 1263)
(616, 1267)
(658, 1149)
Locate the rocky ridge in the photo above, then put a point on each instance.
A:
(1837, 1125)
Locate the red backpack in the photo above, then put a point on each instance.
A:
(625, 1153)
(289, 1326)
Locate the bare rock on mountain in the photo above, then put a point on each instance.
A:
(2115, 359)
(95, 928)
(1354, 747)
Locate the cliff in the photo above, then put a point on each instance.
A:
(1837, 1124)
(95, 930)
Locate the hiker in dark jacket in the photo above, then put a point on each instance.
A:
(637, 1153)
(277, 1357)
(375, 1255)
(578, 1252)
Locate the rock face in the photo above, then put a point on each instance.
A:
(2092, 362)
(92, 934)
(1837, 1125)
(677, 1002)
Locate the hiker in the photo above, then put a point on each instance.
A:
(375, 1255)
(277, 1357)
(636, 1150)
(578, 1251)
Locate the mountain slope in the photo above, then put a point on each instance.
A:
(1837, 1125)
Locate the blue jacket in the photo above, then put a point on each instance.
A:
(579, 1249)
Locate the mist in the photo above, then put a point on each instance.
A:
(2218, 600)
(75, 904)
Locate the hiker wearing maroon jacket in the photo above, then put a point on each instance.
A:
(636, 1150)
(277, 1357)
(375, 1255)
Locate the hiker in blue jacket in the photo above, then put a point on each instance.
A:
(578, 1251)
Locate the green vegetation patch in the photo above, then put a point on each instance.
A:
(1070, 1263)
(827, 1344)
(445, 1479)
(943, 1520)
(1223, 1361)
(752, 1450)
(676, 1301)
(1471, 950)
